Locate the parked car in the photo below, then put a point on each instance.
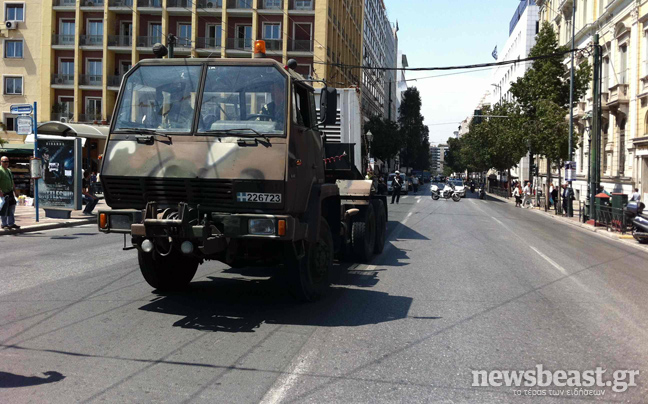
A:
(404, 188)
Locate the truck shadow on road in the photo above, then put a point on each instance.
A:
(242, 305)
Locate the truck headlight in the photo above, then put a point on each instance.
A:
(261, 226)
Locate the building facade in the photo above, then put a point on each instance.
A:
(623, 29)
(523, 27)
(91, 44)
(379, 49)
(20, 44)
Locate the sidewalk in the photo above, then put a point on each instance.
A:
(601, 230)
(26, 219)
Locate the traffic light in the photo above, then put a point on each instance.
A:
(535, 170)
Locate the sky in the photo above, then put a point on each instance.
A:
(435, 33)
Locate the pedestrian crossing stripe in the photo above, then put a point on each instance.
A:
(241, 197)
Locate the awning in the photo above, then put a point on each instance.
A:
(19, 149)
(56, 128)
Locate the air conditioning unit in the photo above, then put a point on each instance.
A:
(59, 80)
(89, 4)
(210, 5)
(63, 119)
(11, 24)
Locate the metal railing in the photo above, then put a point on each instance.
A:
(300, 45)
(615, 219)
(239, 43)
(91, 40)
(148, 41)
(92, 3)
(210, 4)
(120, 40)
(90, 80)
(63, 40)
(121, 3)
(274, 44)
(149, 3)
(90, 118)
(183, 43)
(64, 3)
(244, 4)
(499, 191)
(208, 43)
(180, 3)
(115, 81)
(66, 116)
(62, 78)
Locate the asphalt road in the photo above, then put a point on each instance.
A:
(461, 287)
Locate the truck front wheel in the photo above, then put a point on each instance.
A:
(310, 276)
(167, 273)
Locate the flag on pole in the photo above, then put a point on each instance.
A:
(494, 54)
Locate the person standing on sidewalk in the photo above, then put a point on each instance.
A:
(8, 192)
(527, 194)
(517, 193)
(397, 183)
(88, 197)
(554, 196)
(636, 196)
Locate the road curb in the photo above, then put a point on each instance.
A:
(598, 230)
(48, 226)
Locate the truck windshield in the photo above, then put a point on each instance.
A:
(243, 97)
(161, 98)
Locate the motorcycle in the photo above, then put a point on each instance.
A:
(472, 188)
(482, 193)
(639, 221)
(447, 192)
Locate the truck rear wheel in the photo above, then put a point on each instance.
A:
(310, 276)
(381, 226)
(363, 234)
(167, 273)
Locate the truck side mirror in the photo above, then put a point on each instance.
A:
(328, 106)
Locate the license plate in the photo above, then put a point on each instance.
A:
(258, 197)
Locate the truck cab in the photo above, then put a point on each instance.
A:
(223, 159)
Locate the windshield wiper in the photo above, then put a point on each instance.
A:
(255, 133)
(143, 131)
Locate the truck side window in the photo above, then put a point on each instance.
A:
(303, 106)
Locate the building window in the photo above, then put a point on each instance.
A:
(272, 31)
(214, 35)
(13, 85)
(622, 151)
(14, 12)
(13, 49)
(272, 4)
(623, 68)
(303, 4)
(184, 39)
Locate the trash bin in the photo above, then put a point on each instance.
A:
(602, 208)
(618, 203)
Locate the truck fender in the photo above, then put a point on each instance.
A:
(319, 192)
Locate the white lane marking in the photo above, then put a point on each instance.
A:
(278, 392)
(419, 201)
(483, 201)
(418, 197)
(549, 260)
(407, 217)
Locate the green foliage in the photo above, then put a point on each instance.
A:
(453, 159)
(385, 143)
(413, 133)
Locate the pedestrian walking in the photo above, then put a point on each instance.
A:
(90, 200)
(554, 196)
(527, 194)
(636, 196)
(8, 195)
(565, 196)
(517, 193)
(397, 184)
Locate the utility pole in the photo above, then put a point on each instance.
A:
(570, 191)
(171, 40)
(390, 101)
(595, 129)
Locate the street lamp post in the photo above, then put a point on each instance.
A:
(570, 191)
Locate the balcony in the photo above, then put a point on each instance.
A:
(63, 40)
(302, 5)
(120, 40)
(120, 3)
(618, 94)
(579, 110)
(149, 4)
(115, 81)
(91, 118)
(183, 44)
(91, 40)
(297, 45)
(208, 43)
(92, 3)
(241, 8)
(148, 41)
(270, 6)
(91, 80)
(64, 3)
(209, 4)
(239, 44)
(63, 79)
(62, 116)
(180, 4)
(274, 44)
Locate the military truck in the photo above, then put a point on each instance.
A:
(225, 159)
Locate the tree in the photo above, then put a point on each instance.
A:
(412, 130)
(452, 157)
(385, 143)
